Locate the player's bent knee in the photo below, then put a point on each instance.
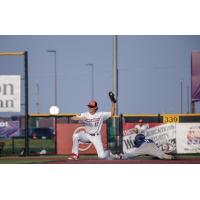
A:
(75, 136)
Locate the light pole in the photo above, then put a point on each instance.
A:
(115, 70)
(55, 76)
(115, 89)
(92, 78)
(54, 108)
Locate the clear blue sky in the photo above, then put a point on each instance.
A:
(150, 71)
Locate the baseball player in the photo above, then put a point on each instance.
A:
(93, 121)
(143, 146)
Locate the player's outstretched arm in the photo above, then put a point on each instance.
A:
(78, 118)
(114, 101)
(113, 109)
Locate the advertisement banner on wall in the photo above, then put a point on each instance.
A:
(128, 142)
(128, 137)
(9, 93)
(188, 137)
(164, 135)
(9, 128)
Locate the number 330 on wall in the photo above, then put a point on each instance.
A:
(170, 118)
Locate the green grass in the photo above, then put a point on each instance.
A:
(24, 160)
(20, 161)
(37, 159)
(14, 147)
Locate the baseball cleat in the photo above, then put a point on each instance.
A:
(117, 156)
(123, 156)
(169, 157)
(73, 157)
(114, 156)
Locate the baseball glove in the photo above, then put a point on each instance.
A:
(112, 97)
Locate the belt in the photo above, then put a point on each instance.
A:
(93, 134)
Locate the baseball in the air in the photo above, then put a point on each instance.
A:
(54, 110)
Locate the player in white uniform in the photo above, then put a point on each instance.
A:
(93, 121)
(143, 146)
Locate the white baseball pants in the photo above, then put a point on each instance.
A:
(95, 140)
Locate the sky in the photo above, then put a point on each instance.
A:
(152, 69)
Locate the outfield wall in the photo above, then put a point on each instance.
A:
(173, 133)
(112, 135)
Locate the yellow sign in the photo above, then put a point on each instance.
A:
(170, 118)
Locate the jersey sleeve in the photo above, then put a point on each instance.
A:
(106, 115)
(82, 114)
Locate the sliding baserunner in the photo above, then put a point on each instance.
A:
(143, 146)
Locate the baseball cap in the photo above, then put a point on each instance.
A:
(141, 121)
(92, 104)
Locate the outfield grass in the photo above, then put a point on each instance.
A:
(28, 159)
(38, 159)
(14, 147)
